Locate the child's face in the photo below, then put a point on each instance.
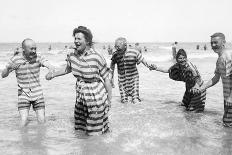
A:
(181, 60)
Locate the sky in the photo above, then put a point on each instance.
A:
(136, 20)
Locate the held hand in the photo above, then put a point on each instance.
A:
(195, 90)
(13, 66)
(153, 67)
(202, 88)
(49, 75)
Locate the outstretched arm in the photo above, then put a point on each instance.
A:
(9, 68)
(108, 88)
(112, 67)
(161, 69)
(211, 82)
(48, 65)
(55, 73)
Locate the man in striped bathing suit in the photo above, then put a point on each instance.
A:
(27, 69)
(128, 76)
(223, 70)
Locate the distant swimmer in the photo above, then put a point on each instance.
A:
(49, 48)
(198, 47)
(174, 46)
(110, 50)
(145, 49)
(205, 47)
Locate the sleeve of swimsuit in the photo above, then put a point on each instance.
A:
(228, 65)
(103, 69)
(139, 57)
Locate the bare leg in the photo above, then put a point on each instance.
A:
(40, 115)
(24, 116)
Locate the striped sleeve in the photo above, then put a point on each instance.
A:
(103, 69)
(228, 66)
(139, 57)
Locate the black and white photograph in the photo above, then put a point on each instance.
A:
(115, 77)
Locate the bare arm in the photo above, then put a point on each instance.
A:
(161, 69)
(9, 68)
(108, 88)
(48, 65)
(211, 82)
(5, 72)
(148, 65)
(112, 67)
(62, 71)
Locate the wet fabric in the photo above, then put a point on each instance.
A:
(91, 108)
(29, 87)
(128, 76)
(190, 75)
(224, 69)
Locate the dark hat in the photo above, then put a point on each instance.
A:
(218, 34)
(85, 31)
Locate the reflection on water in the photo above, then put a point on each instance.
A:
(32, 140)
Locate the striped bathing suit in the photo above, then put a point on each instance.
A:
(91, 108)
(128, 76)
(224, 69)
(29, 88)
(190, 75)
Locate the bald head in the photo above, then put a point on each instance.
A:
(121, 44)
(29, 48)
(27, 42)
(121, 40)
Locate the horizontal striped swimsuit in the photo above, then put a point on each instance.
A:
(91, 108)
(128, 76)
(190, 75)
(224, 69)
(29, 88)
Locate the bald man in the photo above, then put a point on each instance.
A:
(27, 69)
(128, 76)
(224, 71)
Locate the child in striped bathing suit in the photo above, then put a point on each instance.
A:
(27, 69)
(93, 89)
(128, 76)
(185, 71)
(223, 70)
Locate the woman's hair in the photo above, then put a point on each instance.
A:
(87, 34)
(181, 52)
